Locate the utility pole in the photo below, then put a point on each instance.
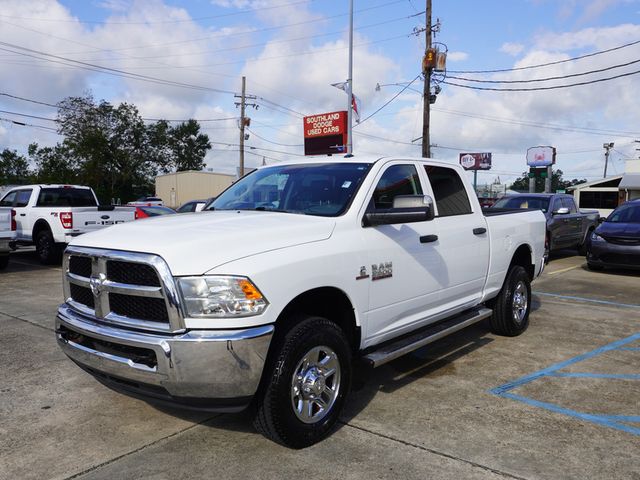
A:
(607, 147)
(350, 85)
(426, 96)
(244, 121)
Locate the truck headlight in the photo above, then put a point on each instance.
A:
(596, 238)
(221, 297)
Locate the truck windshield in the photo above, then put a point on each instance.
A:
(310, 189)
(523, 201)
(66, 197)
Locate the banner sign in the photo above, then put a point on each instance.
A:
(541, 156)
(476, 161)
(325, 133)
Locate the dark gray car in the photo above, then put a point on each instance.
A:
(567, 226)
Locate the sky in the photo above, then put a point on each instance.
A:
(185, 59)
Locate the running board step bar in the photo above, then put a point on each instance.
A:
(413, 341)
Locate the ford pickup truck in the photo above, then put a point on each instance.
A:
(7, 234)
(294, 273)
(49, 216)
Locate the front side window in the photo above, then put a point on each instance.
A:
(311, 189)
(396, 180)
(570, 204)
(8, 199)
(450, 195)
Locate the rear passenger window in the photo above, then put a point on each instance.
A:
(450, 195)
(22, 199)
(396, 180)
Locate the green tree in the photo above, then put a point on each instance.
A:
(186, 147)
(54, 164)
(14, 168)
(114, 148)
(521, 184)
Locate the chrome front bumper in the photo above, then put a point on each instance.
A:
(217, 370)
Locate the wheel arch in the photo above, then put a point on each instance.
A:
(523, 256)
(329, 302)
(40, 225)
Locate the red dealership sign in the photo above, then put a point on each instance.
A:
(325, 133)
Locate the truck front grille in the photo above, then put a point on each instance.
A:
(150, 309)
(129, 289)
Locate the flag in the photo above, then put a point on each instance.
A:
(356, 104)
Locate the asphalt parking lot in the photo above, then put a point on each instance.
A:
(560, 401)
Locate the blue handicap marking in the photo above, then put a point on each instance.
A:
(619, 422)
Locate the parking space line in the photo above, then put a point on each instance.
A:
(590, 300)
(612, 421)
(564, 270)
(604, 420)
(621, 376)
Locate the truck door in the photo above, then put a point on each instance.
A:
(405, 275)
(463, 239)
(23, 225)
(575, 221)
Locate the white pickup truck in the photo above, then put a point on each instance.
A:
(298, 270)
(7, 234)
(49, 216)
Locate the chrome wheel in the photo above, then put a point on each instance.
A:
(315, 384)
(520, 302)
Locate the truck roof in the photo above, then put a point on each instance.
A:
(370, 159)
(49, 185)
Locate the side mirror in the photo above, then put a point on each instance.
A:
(602, 219)
(561, 211)
(405, 209)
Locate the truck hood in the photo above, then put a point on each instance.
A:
(194, 243)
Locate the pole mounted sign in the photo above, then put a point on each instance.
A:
(541, 156)
(476, 161)
(325, 133)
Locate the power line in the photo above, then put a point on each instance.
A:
(549, 63)
(275, 143)
(160, 22)
(22, 124)
(555, 87)
(391, 100)
(534, 80)
(106, 70)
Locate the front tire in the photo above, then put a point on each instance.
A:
(306, 385)
(512, 306)
(48, 252)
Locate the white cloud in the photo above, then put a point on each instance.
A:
(512, 49)
(457, 56)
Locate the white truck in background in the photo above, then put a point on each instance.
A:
(7, 234)
(50, 216)
(293, 273)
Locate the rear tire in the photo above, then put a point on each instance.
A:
(48, 252)
(4, 261)
(512, 305)
(306, 383)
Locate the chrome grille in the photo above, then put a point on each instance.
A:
(129, 289)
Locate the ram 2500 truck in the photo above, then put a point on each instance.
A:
(49, 216)
(7, 234)
(295, 272)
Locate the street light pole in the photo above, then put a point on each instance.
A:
(607, 147)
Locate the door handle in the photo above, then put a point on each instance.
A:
(479, 231)
(428, 238)
(23, 214)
